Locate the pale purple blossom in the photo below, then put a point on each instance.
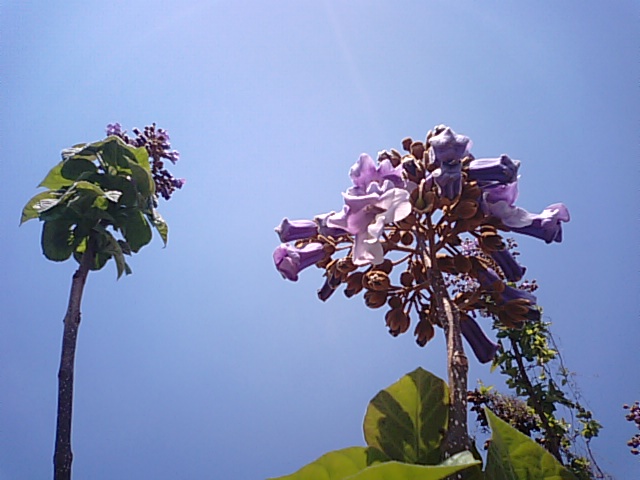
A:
(290, 230)
(114, 129)
(499, 202)
(378, 197)
(324, 229)
(291, 260)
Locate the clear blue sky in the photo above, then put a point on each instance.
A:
(205, 363)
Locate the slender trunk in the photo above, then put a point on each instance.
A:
(457, 437)
(63, 456)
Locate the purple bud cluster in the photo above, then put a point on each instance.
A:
(157, 143)
(634, 417)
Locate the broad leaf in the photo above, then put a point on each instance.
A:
(135, 228)
(142, 178)
(38, 203)
(57, 240)
(407, 420)
(54, 179)
(160, 225)
(405, 471)
(514, 456)
(338, 465)
(75, 167)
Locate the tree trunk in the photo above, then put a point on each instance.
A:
(457, 437)
(63, 456)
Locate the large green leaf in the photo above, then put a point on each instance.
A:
(39, 203)
(398, 470)
(338, 465)
(160, 225)
(408, 419)
(76, 166)
(514, 456)
(54, 179)
(367, 463)
(57, 240)
(142, 178)
(135, 228)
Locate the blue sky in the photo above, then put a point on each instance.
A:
(205, 363)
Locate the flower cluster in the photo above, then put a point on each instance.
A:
(435, 210)
(157, 143)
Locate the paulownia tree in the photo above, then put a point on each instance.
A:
(100, 204)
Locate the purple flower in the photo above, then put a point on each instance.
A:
(179, 182)
(448, 178)
(114, 129)
(290, 230)
(291, 260)
(489, 171)
(447, 147)
(483, 347)
(488, 278)
(365, 216)
(499, 202)
(365, 172)
(377, 198)
(548, 224)
(512, 270)
(324, 229)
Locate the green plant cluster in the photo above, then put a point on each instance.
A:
(98, 190)
(404, 427)
(550, 412)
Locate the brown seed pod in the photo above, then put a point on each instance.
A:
(417, 149)
(407, 238)
(354, 284)
(397, 321)
(462, 263)
(406, 279)
(373, 299)
(386, 266)
(406, 143)
(466, 209)
(445, 263)
(424, 331)
(419, 272)
(376, 280)
(395, 301)
(345, 265)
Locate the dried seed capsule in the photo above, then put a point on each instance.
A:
(407, 238)
(377, 280)
(397, 321)
(424, 331)
(345, 265)
(386, 266)
(373, 299)
(406, 278)
(406, 143)
(395, 301)
(354, 284)
(417, 149)
(462, 263)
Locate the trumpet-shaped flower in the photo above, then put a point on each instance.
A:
(291, 260)
(446, 152)
(512, 270)
(483, 347)
(492, 171)
(290, 230)
(499, 202)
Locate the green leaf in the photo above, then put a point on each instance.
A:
(57, 240)
(408, 419)
(54, 179)
(113, 248)
(514, 456)
(135, 228)
(337, 465)
(361, 463)
(38, 203)
(160, 225)
(142, 178)
(405, 471)
(141, 157)
(76, 166)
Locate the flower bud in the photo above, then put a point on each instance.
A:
(466, 209)
(354, 284)
(406, 279)
(417, 149)
(462, 264)
(424, 330)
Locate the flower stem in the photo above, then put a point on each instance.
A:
(63, 456)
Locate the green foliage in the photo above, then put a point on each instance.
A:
(514, 456)
(407, 420)
(535, 372)
(404, 427)
(96, 192)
